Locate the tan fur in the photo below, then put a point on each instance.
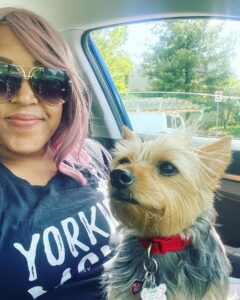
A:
(168, 204)
(149, 201)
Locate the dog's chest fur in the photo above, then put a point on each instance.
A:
(200, 271)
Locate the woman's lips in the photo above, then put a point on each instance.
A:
(24, 120)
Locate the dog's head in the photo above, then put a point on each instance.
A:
(160, 187)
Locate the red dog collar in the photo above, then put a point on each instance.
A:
(162, 245)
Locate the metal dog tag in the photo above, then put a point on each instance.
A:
(154, 293)
(150, 291)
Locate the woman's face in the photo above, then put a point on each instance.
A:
(26, 123)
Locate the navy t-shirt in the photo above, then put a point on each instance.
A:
(54, 239)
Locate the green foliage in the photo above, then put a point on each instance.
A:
(234, 131)
(190, 55)
(110, 43)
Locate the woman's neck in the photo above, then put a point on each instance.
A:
(37, 168)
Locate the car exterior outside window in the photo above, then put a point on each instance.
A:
(171, 71)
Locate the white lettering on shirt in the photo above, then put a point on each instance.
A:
(91, 227)
(106, 250)
(72, 239)
(30, 255)
(53, 261)
(36, 291)
(107, 217)
(66, 276)
(91, 257)
(54, 248)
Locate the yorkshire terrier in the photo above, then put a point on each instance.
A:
(162, 194)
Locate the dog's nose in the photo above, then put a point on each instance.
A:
(121, 179)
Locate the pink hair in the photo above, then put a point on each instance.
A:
(48, 47)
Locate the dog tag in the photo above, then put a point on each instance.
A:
(154, 293)
(136, 286)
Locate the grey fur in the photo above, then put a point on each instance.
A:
(200, 271)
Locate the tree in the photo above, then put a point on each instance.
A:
(233, 89)
(110, 43)
(190, 55)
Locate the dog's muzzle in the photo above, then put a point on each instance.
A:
(121, 178)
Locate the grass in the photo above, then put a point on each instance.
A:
(232, 130)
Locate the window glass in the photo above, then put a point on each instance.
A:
(178, 122)
(169, 122)
(172, 71)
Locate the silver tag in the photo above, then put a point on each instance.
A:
(154, 292)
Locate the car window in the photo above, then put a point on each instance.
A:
(171, 71)
(170, 122)
(179, 122)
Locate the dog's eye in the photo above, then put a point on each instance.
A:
(124, 160)
(167, 169)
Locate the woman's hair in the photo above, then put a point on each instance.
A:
(49, 48)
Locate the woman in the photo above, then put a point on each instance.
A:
(55, 226)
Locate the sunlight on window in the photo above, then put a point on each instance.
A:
(172, 71)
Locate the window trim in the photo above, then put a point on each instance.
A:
(105, 80)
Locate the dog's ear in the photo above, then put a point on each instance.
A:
(216, 156)
(127, 134)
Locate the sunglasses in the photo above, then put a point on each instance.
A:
(49, 85)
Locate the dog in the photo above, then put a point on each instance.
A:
(162, 194)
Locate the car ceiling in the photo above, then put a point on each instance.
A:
(87, 14)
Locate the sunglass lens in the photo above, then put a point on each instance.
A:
(10, 81)
(3, 89)
(51, 85)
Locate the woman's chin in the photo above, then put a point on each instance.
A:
(26, 148)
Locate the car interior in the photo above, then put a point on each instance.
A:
(78, 20)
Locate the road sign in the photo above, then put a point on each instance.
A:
(218, 96)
